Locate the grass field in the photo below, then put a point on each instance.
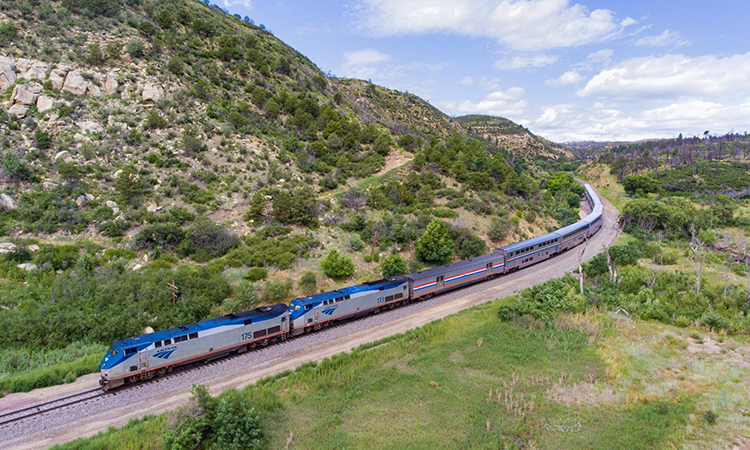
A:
(471, 381)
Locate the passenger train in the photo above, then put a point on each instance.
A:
(153, 354)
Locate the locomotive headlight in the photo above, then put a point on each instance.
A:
(106, 374)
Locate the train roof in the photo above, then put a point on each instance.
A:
(367, 286)
(529, 242)
(256, 315)
(439, 270)
(573, 227)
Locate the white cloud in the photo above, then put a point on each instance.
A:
(507, 103)
(523, 62)
(570, 77)
(601, 56)
(363, 63)
(467, 80)
(490, 84)
(529, 25)
(666, 39)
(671, 77)
(230, 3)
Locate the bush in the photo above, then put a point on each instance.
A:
(176, 65)
(392, 266)
(336, 266)
(355, 243)
(308, 283)
(135, 48)
(205, 237)
(58, 257)
(436, 244)
(468, 245)
(499, 228)
(274, 292)
(256, 274)
(155, 120)
(165, 236)
(43, 138)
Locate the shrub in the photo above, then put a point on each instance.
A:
(192, 145)
(95, 56)
(166, 236)
(204, 235)
(256, 274)
(176, 65)
(337, 266)
(13, 168)
(355, 243)
(274, 292)
(308, 283)
(714, 321)
(436, 244)
(155, 120)
(59, 257)
(468, 245)
(499, 228)
(392, 265)
(43, 138)
(135, 48)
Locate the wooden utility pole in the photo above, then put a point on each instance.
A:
(372, 247)
(173, 288)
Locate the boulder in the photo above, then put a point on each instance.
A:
(7, 72)
(57, 77)
(94, 90)
(62, 155)
(90, 127)
(26, 94)
(7, 247)
(152, 208)
(80, 200)
(23, 64)
(125, 94)
(27, 267)
(38, 70)
(80, 138)
(18, 110)
(113, 206)
(89, 197)
(33, 248)
(75, 83)
(111, 85)
(7, 202)
(153, 93)
(44, 103)
(48, 185)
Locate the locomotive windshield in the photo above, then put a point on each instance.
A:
(113, 351)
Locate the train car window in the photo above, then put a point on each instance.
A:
(398, 296)
(157, 344)
(249, 321)
(193, 335)
(259, 334)
(129, 351)
(180, 339)
(308, 307)
(389, 298)
(347, 297)
(167, 341)
(273, 330)
(381, 288)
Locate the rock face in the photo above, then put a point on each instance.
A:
(111, 85)
(93, 90)
(44, 103)
(75, 84)
(90, 127)
(7, 247)
(38, 70)
(57, 77)
(152, 93)
(18, 110)
(7, 202)
(26, 94)
(7, 72)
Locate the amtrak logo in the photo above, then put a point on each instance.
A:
(329, 311)
(165, 353)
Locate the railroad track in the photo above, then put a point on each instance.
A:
(50, 405)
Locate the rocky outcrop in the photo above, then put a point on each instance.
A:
(75, 83)
(26, 94)
(57, 77)
(90, 127)
(27, 266)
(153, 93)
(7, 202)
(18, 109)
(44, 103)
(111, 85)
(38, 71)
(7, 247)
(7, 72)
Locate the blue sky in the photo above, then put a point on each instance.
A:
(595, 70)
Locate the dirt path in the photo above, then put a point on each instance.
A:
(544, 271)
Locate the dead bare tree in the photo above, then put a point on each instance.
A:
(698, 257)
(612, 273)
